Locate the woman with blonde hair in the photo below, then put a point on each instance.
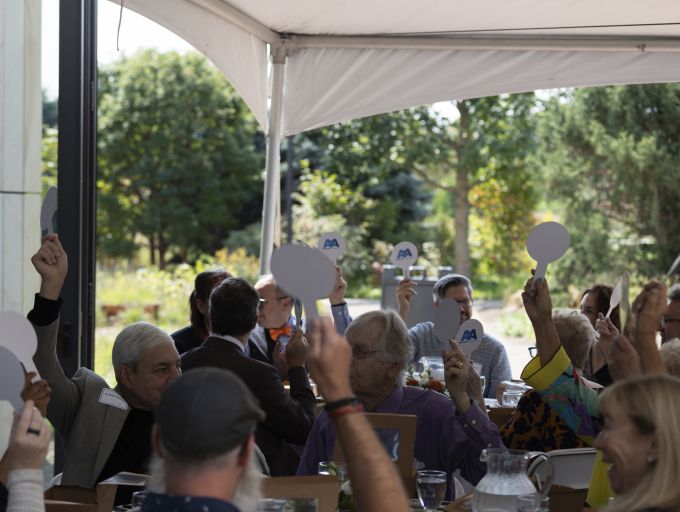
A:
(641, 441)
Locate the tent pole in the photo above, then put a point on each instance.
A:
(272, 179)
(545, 43)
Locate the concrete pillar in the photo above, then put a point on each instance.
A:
(20, 140)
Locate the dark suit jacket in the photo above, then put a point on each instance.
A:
(289, 416)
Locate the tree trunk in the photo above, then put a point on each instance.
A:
(462, 204)
(462, 249)
(152, 249)
(162, 249)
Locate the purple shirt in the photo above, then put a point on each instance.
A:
(445, 440)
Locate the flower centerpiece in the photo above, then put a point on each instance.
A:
(425, 380)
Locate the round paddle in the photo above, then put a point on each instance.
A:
(305, 273)
(546, 243)
(469, 336)
(446, 321)
(333, 245)
(11, 379)
(403, 256)
(17, 334)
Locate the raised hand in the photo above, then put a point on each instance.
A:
(296, 350)
(457, 373)
(608, 333)
(406, 290)
(279, 360)
(330, 356)
(39, 392)
(51, 262)
(337, 296)
(647, 309)
(536, 299)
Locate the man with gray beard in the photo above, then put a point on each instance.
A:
(203, 443)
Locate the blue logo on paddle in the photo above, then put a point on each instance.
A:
(404, 253)
(331, 243)
(469, 335)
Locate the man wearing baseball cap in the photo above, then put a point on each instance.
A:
(491, 354)
(203, 442)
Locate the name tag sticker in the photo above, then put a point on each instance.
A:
(110, 397)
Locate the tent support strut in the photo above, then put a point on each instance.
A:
(272, 179)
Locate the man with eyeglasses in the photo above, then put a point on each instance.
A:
(234, 307)
(276, 323)
(670, 321)
(450, 432)
(491, 354)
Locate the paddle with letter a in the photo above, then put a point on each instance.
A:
(403, 256)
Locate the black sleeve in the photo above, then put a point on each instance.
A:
(3, 497)
(45, 311)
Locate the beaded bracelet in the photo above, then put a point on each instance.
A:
(347, 409)
(337, 404)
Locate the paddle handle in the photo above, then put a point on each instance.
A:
(311, 310)
(407, 272)
(541, 269)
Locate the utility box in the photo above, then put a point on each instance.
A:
(422, 305)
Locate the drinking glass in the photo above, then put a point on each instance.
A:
(138, 498)
(333, 469)
(533, 503)
(431, 488)
(512, 395)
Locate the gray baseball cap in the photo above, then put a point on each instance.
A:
(205, 413)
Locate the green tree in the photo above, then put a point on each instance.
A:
(177, 157)
(373, 157)
(614, 164)
(481, 165)
(476, 164)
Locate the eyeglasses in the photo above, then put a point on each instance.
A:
(533, 351)
(668, 320)
(464, 302)
(360, 353)
(263, 302)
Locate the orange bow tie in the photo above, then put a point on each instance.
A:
(286, 330)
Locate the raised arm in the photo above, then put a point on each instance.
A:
(375, 482)
(537, 304)
(339, 309)
(51, 262)
(406, 290)
(647, 309)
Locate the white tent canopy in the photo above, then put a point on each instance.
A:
(335, 60)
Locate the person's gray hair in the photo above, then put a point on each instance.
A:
(576, 335)
(670, 355)
(674, 292)
(440, 287)
(389, 333)
(135, 339)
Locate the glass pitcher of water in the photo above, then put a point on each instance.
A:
(506, 479)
